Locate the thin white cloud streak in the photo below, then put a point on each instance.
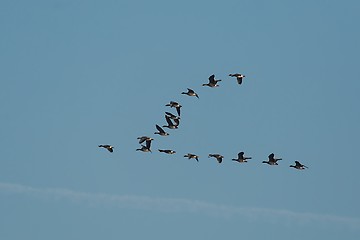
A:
(179, 205)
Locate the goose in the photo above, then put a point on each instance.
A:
(161, 131)
(212, 82)
(144, 138)
(145, 148)
(190, 156)
(171, 125)
(239, 77)
(298, 166)
(172, 116)
(191, 93)
(108, 147)
(168, 151)
(272, 160)
(241, 158)
(218, 157)
(175, 105)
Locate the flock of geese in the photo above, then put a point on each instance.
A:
(173, 122)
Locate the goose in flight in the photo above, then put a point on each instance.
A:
(167, 151)
(174, 105)
(171, 125)
(218, 157)
(241, 158)
(144, 138)
(192, 156)
(161, 131)
(212, 82)
(298, 166)
(272, 160)
(145, 148)
(239, 77)
(191, 93)
(108, 147)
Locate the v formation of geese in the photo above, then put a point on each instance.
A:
(173, 122)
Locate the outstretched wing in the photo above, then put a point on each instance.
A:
(212, 79)
(168, 120)
(160, 129)
(178, 110)
(148, 144)
(239, 79)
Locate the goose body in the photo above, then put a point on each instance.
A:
(298, 166)
(144, 138)
(191, 93)
(161, 131)
(212, 82)
(146, 147)
(239, 77)
(108, 147)
(176, 105)
(241, 158)
(272, 160)
(192, 156)
(167, 151)
(218, 157)
(171, 125)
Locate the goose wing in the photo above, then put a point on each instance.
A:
(160, 129)
(168, 120)
(178, 110)
(212, 79)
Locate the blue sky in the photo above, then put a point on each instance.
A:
(76, 74)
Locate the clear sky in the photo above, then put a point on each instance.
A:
(76, 74)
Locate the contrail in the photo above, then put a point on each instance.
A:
(177, 205)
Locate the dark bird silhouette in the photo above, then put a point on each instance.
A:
(212, 82)
(144, 138)
(298, 166)
(145, 148)
(241, 158)
(272, 160)
(172, 116)
(174, 105)
(191, 93)
(167, 151)
(171, 125)
(192, 156)
(239, 77)
(161, 131)
(108, 147)
(218, 157)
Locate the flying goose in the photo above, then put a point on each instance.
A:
(145, 148)
(144, 138)
(298, 166)
(190, 156)
(108, 147)
(171, 125)
(218, 157)
(168, 151)
(191, 93)
(239, 77)
(212, 82)
(241, 158)
(175, 105)
(161, 131)
(272, 160)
